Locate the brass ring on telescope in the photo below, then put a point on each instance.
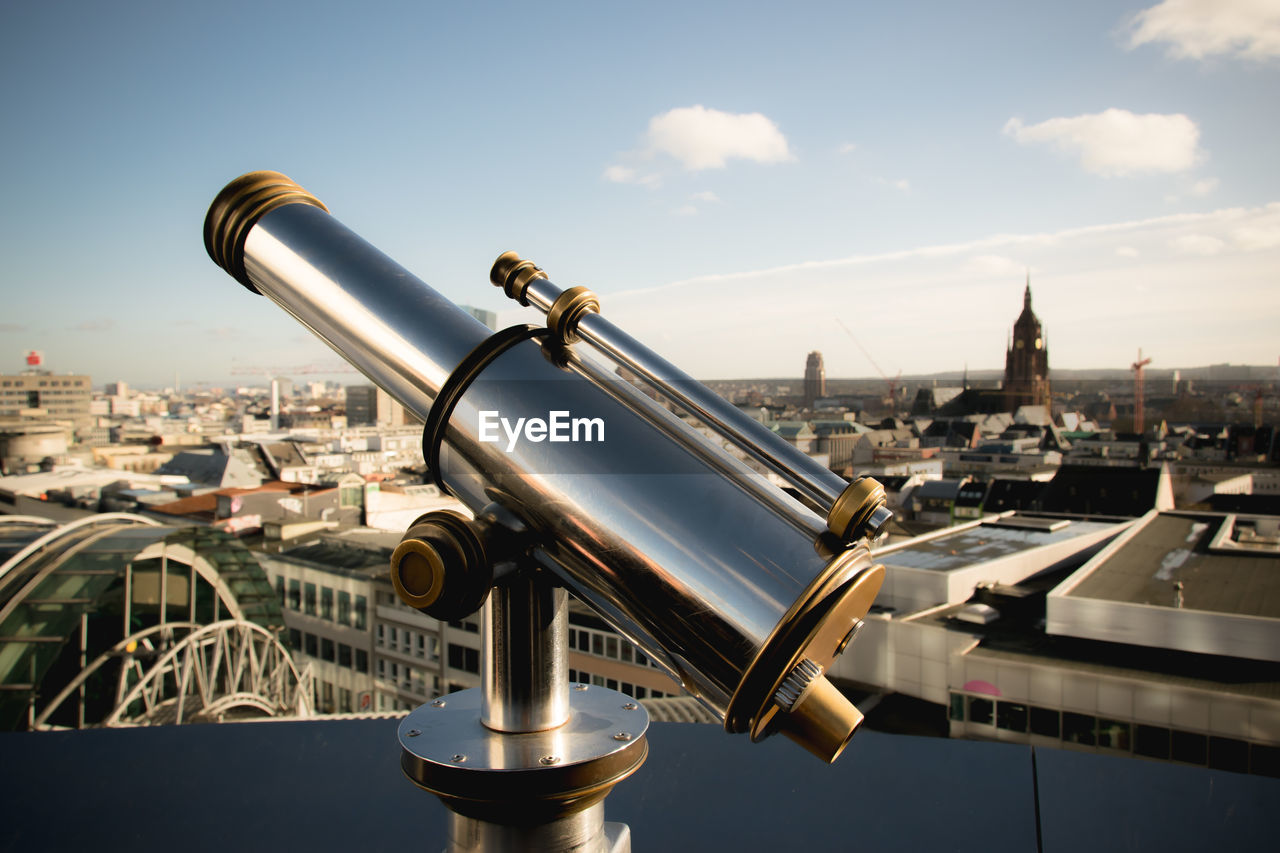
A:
(568, 309)
(854, 507)
(813, 628)
(238, 208)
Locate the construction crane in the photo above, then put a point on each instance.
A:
(1138, 368)
(892, 384)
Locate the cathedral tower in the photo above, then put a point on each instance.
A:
(1026, 362)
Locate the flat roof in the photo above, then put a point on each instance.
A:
(1216, 576)
(987, 541)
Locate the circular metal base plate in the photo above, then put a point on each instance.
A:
(448, 751)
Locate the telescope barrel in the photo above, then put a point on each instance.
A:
(743, 600)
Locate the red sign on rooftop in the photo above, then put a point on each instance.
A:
(34, 358)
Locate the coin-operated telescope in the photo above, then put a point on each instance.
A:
(579, 480)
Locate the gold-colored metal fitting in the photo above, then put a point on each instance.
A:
(440, 566)
(513, 275)
(417, 573)
(237, 209)
(788, 670)
(855, 506)
(568, 309)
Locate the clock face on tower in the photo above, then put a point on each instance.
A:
(1017, 344)
(1039, 343)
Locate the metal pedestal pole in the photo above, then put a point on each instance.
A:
(525, 761)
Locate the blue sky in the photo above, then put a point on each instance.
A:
(731, 178)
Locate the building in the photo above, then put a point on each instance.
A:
(815, 378)
(369, 405)
(1026, 363)
(44, 394)
(1155, 638)
(489, 318)
(369, 651)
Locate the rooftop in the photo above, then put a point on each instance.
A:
(962, 548)
(1203, 552)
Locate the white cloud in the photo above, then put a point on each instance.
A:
(620, 174)
(1127, 252)
(1262, 232)
(901, 184)
(1197, 244)
(705, 196)
(1198, 29)
(994, 265)
(685, 210)
(1116, 143)
(627, 175)
(1203, 188)
(702, 138)
(847, 148)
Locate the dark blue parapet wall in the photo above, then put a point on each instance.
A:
(336, 785)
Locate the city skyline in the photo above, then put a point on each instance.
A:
(738, 191)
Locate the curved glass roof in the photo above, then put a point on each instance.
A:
(94, 583)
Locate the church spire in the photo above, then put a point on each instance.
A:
(1026, 295)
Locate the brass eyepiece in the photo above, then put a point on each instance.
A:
(440, 566)
(513, 275)
(238, 207)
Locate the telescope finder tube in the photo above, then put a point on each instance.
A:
(852, 510)
(744, 605)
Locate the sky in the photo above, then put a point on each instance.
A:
(740, 183)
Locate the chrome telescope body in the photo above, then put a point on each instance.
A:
(742, 593)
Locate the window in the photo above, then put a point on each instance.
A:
(280, 589)
(327, 651)
(295, 595)
(381, 634)
(313, 646)
(382, 668)
(611, 647)
(1113, 734)
(1044, 721)
(422, 645)
(326, 603)
(1011, 717)
(1228, 754)
(1078, 728)
(1264, 760)
(957, 707)
(295, 639)
(394, 636)
(309, 599)
(361, 611)
(980, 710)
(1151, 741)
(344, 608)
(1190, 747)
(463, 658)
(344, 700)
(344, 655)
(362, 661)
